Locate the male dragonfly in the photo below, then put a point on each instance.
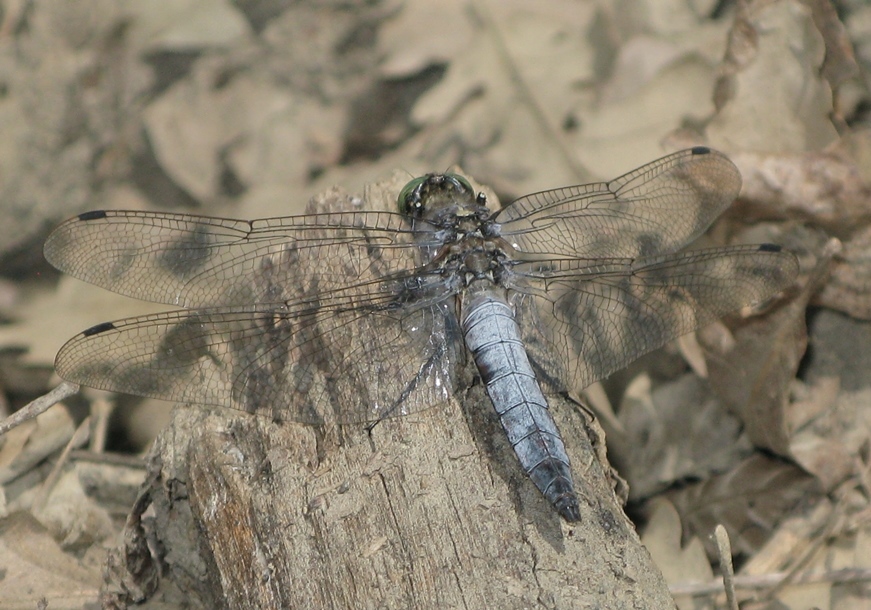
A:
(354, 316)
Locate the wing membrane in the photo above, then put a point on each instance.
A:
(655, 209)
(341, 359)
(583, 320)
(197, 261)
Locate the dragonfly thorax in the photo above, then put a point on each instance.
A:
(473, 258)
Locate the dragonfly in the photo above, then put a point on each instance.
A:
(353, 316)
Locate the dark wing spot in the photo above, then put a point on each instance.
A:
(99, 328)
(95, 215)
(769, 248)
(700, 150)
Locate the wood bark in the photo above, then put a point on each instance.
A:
(426, 511)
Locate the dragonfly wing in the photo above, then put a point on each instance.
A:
(583, 320)
(197, 261)
(343, 358)
(655, 209)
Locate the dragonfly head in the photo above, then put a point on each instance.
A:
(434, 195)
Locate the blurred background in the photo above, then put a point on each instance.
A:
(248, 108)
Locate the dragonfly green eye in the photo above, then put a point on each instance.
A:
(463, 182)
(409, 196)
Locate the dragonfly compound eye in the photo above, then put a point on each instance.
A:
(409, 200)
(462, 182)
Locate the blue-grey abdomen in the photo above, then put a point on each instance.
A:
(493, 337)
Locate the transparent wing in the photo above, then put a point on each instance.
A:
(583, 320)
(655, 209)
(197, 261)
(347, 356)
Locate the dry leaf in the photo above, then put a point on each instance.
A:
(679, 562)
(679, 431)
(184, 25)
(849, 287)
(829, 445)
(822, 187)
(29, 555)
(749, 501)
(770, 100)
(430, 45)
(73, 518)
(515, 84)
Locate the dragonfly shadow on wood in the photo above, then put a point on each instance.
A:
(353, 316)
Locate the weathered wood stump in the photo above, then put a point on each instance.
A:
(426, 511)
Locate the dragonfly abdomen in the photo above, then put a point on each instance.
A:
(493, 337)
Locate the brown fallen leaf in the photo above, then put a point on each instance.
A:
(849, 286)
(677, 431)
(768, 99)
(749, 501)
(823, 188)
